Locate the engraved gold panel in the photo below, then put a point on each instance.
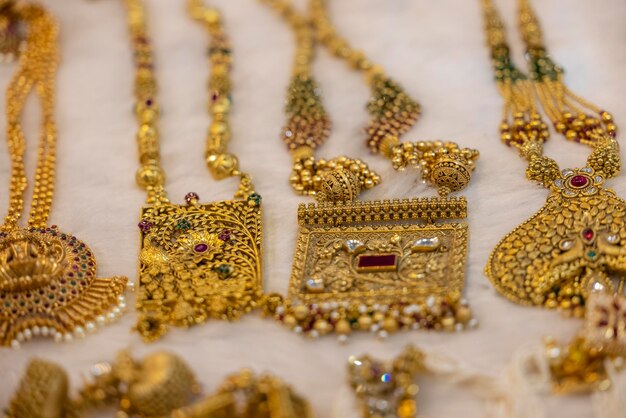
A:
(198, 261)
(321, 254)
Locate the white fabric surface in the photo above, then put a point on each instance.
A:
(435, 49)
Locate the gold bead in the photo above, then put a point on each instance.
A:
(150, 175)
(301, 312)
(463, 314)
(322, 326)
(448, 323)
(343, 327)
(222, 165)
(339, 185)
(365, 322)
(290, 321)
(390, 325)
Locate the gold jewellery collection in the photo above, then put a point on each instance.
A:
(571, 254)
(48, 282)
(376, 266)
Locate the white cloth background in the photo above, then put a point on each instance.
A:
(435, 49)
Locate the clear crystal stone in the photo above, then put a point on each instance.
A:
(567, 172)
(558, 183)
(353, 246)
(591, 190)
(566, 244)
(314, 284)
(587, 170)
(598, 179)
(569, 193)
(612, 239)
(597, 287)
(426, 244)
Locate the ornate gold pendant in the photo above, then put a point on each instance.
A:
(362, 265)
(49, 288)
(575, 244)
(198, 261)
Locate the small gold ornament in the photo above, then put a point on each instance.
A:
(197, 261)
(581, 366)
(387, 389)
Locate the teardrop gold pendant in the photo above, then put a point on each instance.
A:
(575, 244)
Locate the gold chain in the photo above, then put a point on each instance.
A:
(37, 70)
(221, 164)
(522, 125)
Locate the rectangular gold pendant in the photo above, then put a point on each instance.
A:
(198, 261)
(370, 265)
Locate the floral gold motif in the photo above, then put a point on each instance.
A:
(413, 276)
(198, 261)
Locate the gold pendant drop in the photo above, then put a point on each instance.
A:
(574, 245)
(198, 261)
(378, 266)
(49, 288)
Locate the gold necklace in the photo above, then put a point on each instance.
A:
(48, 283)
(197, 261)
(359, 265)
(576, 243)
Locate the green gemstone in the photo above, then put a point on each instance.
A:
(224, 270)
(592, 254)
(183, 224)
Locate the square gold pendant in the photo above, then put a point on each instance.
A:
(379, 263)
(371, 266)
(198, 261)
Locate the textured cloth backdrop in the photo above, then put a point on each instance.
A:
(435, 49)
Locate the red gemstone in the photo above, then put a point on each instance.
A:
(588, 234)
(191, 197)
(377, 262)
(225, 235)
(200, 248)
(579, 181)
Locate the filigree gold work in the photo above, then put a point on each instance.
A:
(322, 254)
(198, 262)
(575, 244)
(48, 287)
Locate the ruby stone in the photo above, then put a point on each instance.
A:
(200, 248)
(588, 234)
(579, 181)
(372, 261)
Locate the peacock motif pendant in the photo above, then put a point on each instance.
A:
(198, 261)
(575, 244)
